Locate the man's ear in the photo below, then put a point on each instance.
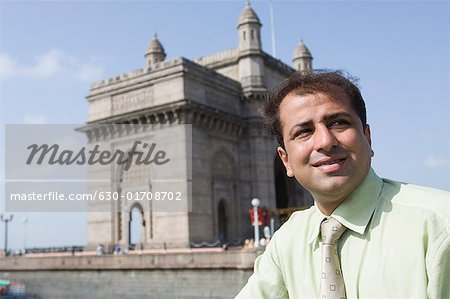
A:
(367, 134)
(284, 158)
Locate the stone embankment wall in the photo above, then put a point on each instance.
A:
(170, 274)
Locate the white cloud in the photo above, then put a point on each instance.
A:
(49, 64)
(34, 119)
(8, 66)
(89, 72)
(433, 161)
(54, 62)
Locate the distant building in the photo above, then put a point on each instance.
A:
(233, 158)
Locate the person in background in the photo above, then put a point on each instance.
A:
(117, 249)
(100, 250)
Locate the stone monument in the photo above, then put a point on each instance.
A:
(229, 158)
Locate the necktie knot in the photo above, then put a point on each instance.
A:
(331, 230)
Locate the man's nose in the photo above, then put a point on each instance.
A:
(324, 139)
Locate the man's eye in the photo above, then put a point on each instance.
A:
(339, 123)
(303, 133)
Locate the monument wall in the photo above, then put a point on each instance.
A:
(208, 273)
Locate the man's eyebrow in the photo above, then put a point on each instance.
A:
(333, 116)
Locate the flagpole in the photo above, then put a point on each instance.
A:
(272, 25)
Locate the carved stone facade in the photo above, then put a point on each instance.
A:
(232, 159)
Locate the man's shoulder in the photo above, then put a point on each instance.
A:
(410, 196)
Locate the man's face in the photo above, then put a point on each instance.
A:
(327, 149)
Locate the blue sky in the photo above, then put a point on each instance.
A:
(51, 52)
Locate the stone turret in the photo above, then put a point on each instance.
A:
(302, 58)
(155, 52)
(251, 64)
(249, 28)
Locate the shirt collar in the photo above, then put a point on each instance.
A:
(318, 216)
(355, 212)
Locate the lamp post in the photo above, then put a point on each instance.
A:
(6, 220)
(25, 221)
(272, 225)
(255, 204)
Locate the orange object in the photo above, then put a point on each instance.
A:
(263, 216)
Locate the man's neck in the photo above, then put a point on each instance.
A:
(327, 208)
(327, 203)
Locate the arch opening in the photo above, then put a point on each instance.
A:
(222, 221)
(136, 225)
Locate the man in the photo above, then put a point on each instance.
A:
(365, 237)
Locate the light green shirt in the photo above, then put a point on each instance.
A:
(397, 245)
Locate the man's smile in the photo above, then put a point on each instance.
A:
(328, 165)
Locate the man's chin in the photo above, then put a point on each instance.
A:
(333, 185)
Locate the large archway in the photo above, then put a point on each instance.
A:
(224, 199)
(131, 225)
(289, 193)
(282, 196)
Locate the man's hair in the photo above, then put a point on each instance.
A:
(303, 83)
